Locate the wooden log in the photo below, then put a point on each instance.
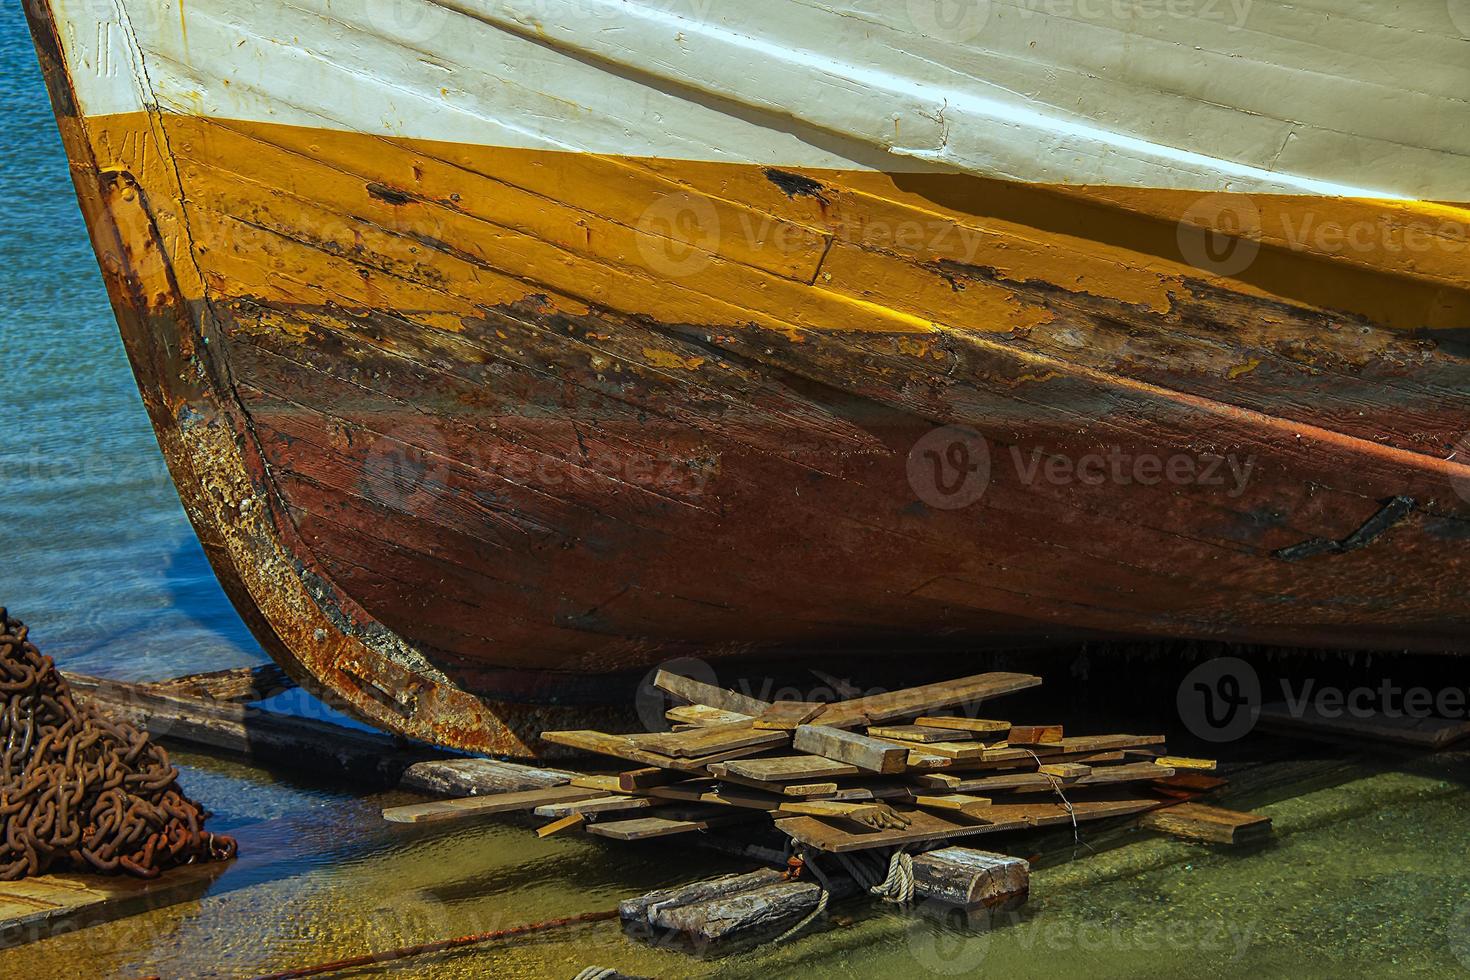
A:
(918, 733)
(745, 916)
(1032, 735)
(636, 911)
(970, 879)
(979, 726)
(786, 768)
(868, 754)
(703, 716)
(479, 777)
(444, 811)
(784, 716)
(698, 692)
(879, 708)
(1211, 824)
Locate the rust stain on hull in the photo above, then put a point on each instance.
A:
(456, 462)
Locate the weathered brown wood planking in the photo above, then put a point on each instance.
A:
(446, 811)
(787, 769)
(868, 754)
(36, 908)
(928, 826)
(879, 708)
(1211, 824)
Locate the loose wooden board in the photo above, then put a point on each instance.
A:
(927, 826)
(38, 908)
(918, 733)
(879, 708)
(786, 769)
(980, 726)
(1035, 735)
(698, 692)
(444, 811)
(620, 747)
(868, 754)
(601, 804)
(1141, 772)
(703, 716)
(644, 828)
(710, 740)
(784, 716)
(1211, 824)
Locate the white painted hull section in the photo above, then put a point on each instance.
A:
(1326, 97)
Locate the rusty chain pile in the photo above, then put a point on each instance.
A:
(80, 792)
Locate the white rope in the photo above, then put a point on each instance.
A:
(596, 973)
(823, 897)
(896, 885)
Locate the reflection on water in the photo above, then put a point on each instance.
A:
(1365, 877)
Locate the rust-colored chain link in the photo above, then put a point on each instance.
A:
(79, 791)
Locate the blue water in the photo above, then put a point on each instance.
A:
(98, 555)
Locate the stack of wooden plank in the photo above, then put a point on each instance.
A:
(911, 767)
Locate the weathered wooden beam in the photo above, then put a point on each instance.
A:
(698, 692)
(919, 733)
(1031, 735)
(786, 769)
(703, 716)
(979, 726)
(237, 684)
(969, 878)
(465, 808)
(784, 716)
(479, 777)
(868, 754)
(879, 708)
(249, 731)
(711, 739)
(1211, 824)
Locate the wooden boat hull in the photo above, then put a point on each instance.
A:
(467, 424)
